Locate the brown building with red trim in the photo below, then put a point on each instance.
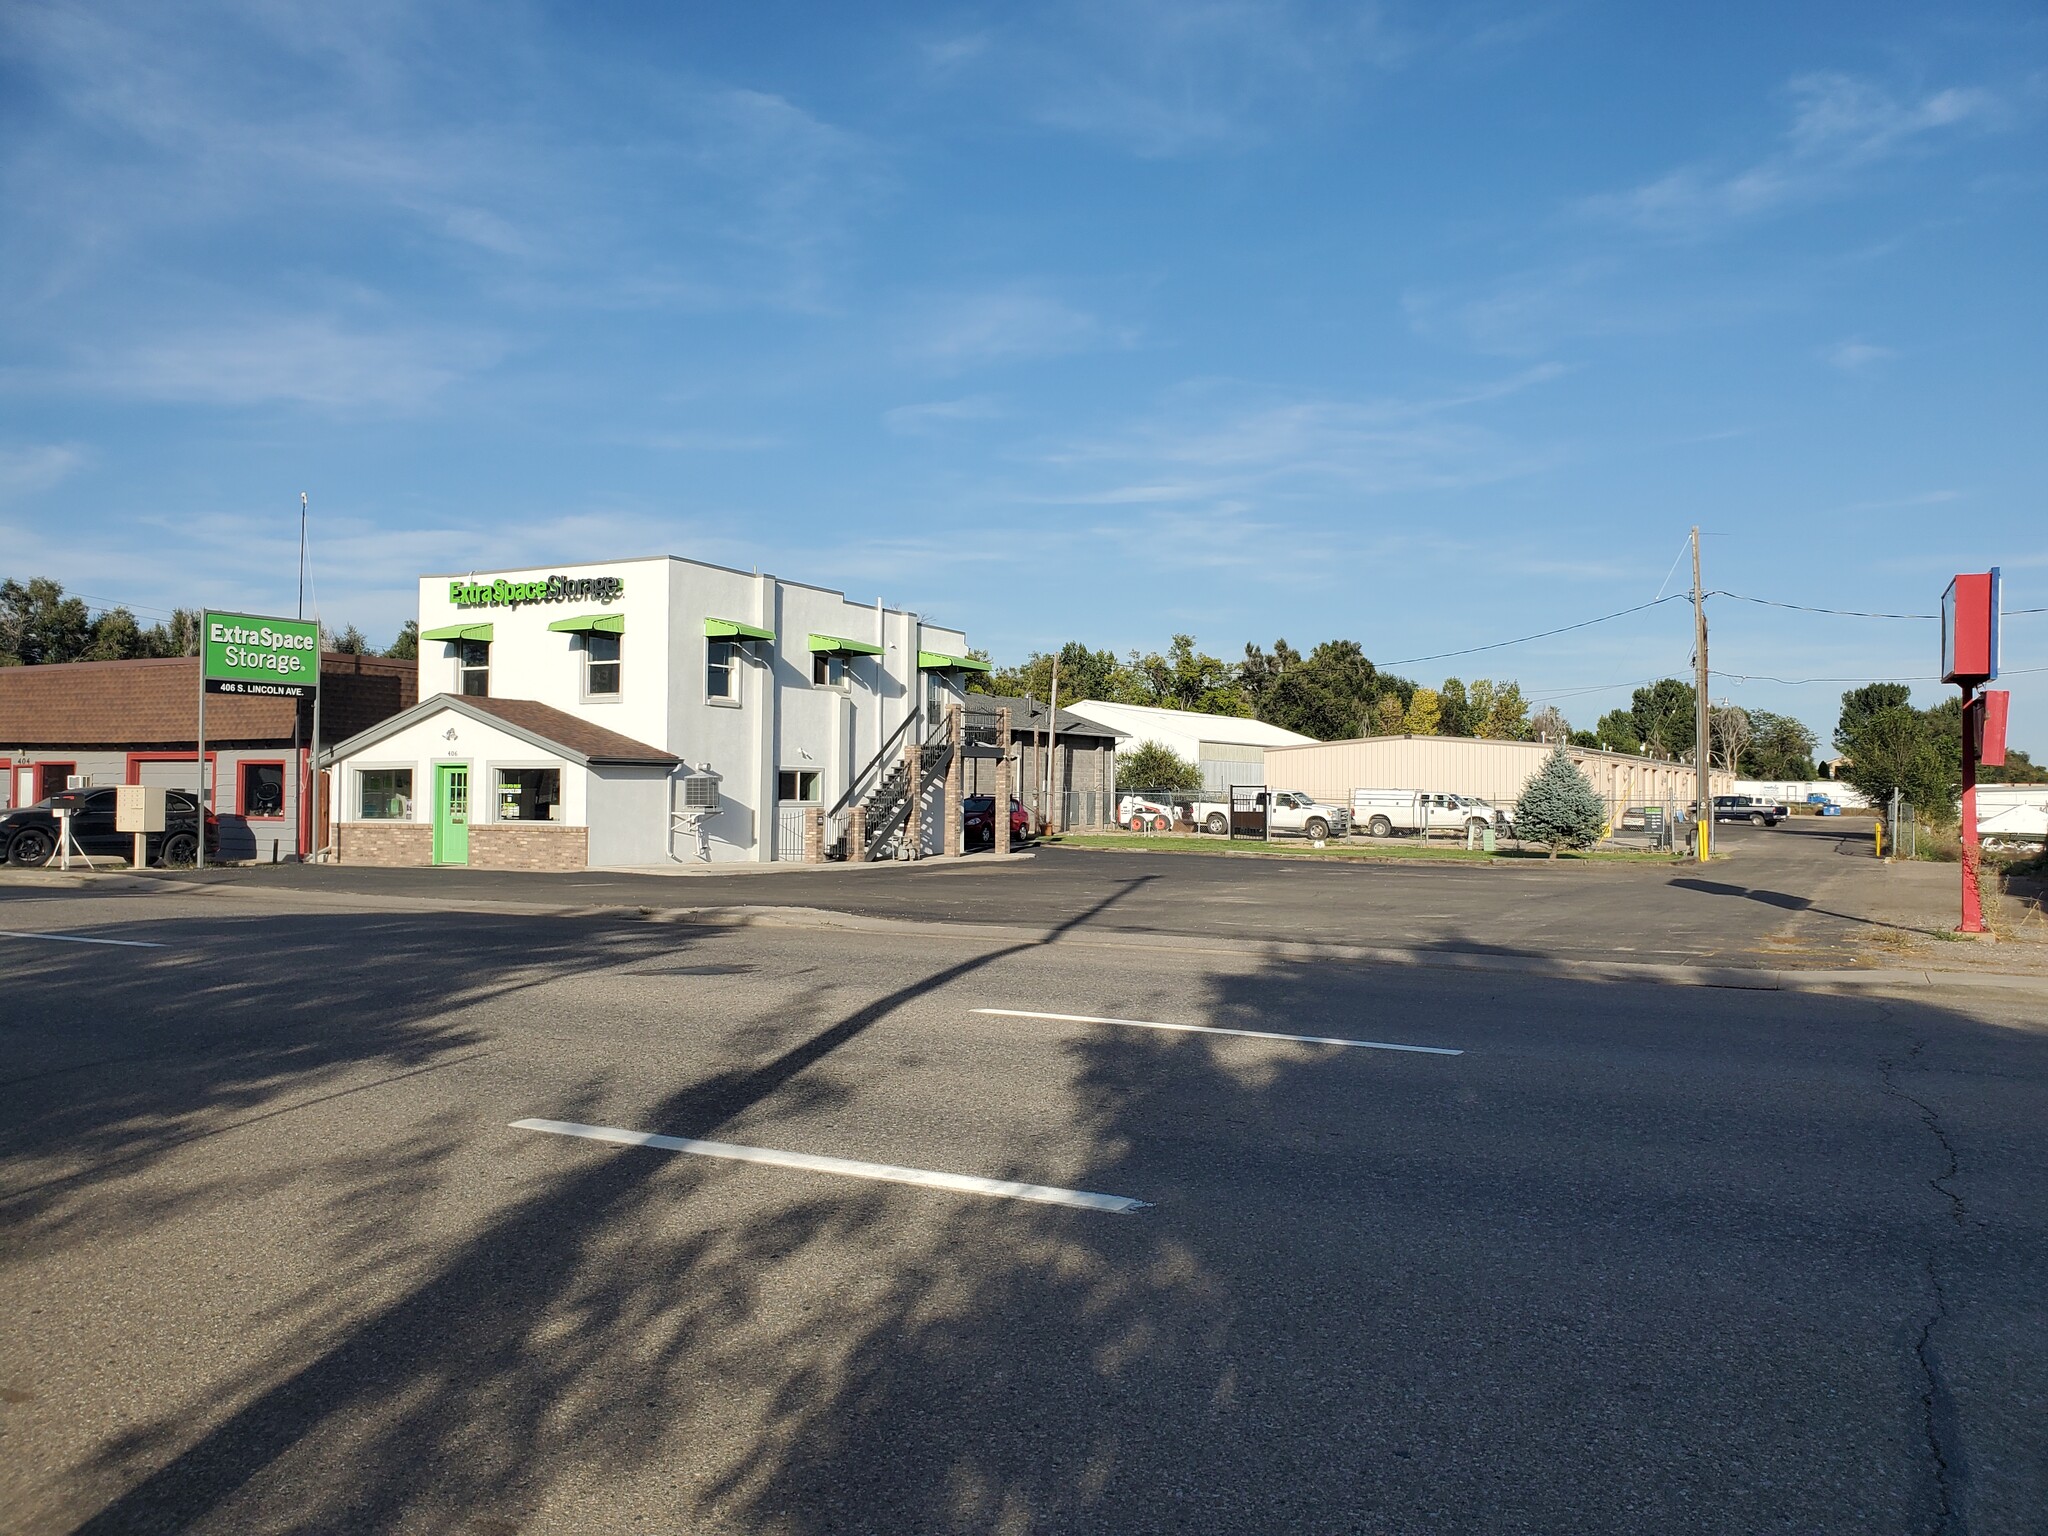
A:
(137, 722)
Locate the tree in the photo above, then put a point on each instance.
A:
(116, 637)
(1779, 747)
(1455, 709)
(350, 642)
(1507, 712)
(1259, 675)
(1388, 714)
(1151, 767)
(1559, 807)
(1549, 724)
(2018, 768)
(1084, 674)
(1424, 716)
(407, 646)
(1859, 704)
(40, 625)
(1616, 732)
(1663, 717)
(1897, 747)
(1184, 678)
(1302, 701)
(1730, 729)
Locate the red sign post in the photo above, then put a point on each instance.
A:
(1969, 659)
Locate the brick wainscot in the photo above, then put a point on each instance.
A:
(528, 845)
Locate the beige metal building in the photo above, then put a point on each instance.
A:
(1465, 765)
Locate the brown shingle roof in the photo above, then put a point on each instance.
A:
(155, 702)
(543, 723)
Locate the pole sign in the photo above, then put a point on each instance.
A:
(249, 654)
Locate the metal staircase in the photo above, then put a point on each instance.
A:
(889, 795)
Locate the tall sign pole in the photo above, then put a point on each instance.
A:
(1703, 740)
(248, 654)
(1969, 659)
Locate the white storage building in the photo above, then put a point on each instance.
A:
(1227, 750)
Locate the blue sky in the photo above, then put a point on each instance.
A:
(1425, 325)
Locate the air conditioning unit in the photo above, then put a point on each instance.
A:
(700, 791)
(78, 781)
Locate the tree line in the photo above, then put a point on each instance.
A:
(1336, 692)
(40, 625)
(1917, 752)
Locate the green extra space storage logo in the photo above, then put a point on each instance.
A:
(555, 589)
(246, 653)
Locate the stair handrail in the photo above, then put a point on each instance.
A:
(865, 781)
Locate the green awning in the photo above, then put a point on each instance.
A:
(459, 632)
(839, 645)
(733, 629)
(939, 661)
(591, 624)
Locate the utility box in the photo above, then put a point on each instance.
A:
(139, 808)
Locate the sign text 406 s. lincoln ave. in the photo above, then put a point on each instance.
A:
(247, 653)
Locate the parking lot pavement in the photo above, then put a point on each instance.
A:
(280, 1252)
(1802, 893)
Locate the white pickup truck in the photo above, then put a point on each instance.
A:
(1383, 812)
(1291, 811)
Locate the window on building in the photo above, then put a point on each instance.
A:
(721, 669)
(797, 786)
(474, 659)
(600, 666)
(529, 794)
(384, 794)
(828, 670)
(262, 786)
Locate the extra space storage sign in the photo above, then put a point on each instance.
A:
(244, 653)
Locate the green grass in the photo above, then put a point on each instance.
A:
(1368, 853)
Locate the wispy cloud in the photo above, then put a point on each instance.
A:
(1161, 78)
(312, 361)
(27, 470)
(930, 415)
(1840, 125)
(1008, 324)
(1856, 356)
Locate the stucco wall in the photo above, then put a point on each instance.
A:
(627, 816)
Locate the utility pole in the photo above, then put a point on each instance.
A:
(303, 838)
(1703, 742)
(1052, 729)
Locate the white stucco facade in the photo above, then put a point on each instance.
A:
(769, 717)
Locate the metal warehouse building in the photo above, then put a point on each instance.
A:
(1494, 771)
(1228, 750)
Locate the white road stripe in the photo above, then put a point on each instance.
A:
(72, 938)
(1211, 1029)
(887, 1173)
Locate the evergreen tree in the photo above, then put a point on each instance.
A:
(407, 646)
(1559, 807)
(1455, 709)
(1617, 732)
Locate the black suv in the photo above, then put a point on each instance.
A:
(1750, 808)
(28, 837)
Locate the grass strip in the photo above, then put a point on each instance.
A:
(1366, 853)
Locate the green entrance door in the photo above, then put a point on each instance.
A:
(451, 813)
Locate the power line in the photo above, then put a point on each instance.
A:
(1847, 613)
(1794, 682)
(1473, 650)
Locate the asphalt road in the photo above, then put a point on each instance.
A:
(1805, 892)
(1640, 1258)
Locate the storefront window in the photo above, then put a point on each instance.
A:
(600, 666)
(262, 789)
(384, 794)
(721, 670)
(798, 786)
(474, 657)
(529, 794)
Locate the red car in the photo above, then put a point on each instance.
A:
(978, 821)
